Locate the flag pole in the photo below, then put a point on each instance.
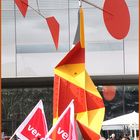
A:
(80, 3)
(12, 136)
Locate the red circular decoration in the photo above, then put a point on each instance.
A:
(117, 18)
(109, 92)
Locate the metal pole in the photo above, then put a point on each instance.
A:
(135, 132)
(80, 3)
(38, 12)
(15, 24)
(131, 131)
(92, 4)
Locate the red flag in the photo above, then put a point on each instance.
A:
(22, 6)
(65, 128)
(34, 127)
(54, 29)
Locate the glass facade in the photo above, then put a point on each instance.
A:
(26, 42)
(17, 103)
(28, 51)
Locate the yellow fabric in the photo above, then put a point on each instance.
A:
(55, 120)
(96, 118)
(76, 74)
(90, 87)
(83, 118)
(93, 120)
(71, 73)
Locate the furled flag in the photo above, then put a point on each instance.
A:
(34, 127)
(65, 128)
(71, 81)
(22, 6)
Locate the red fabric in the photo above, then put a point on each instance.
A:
(62, 127)
(65, 128)
(76, 55)
(93, 102)
(87, 133)
(54, 29)
(56, 95)
(118, 23)
(22, 6)
(65, 91)
(36, 127)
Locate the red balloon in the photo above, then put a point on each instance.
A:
(117, 18)
(109, 92)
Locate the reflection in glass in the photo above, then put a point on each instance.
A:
(17, 103)
(124, 101)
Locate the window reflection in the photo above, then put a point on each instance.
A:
(125, 100)
(17, 103)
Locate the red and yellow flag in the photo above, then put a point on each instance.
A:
(71, 81)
